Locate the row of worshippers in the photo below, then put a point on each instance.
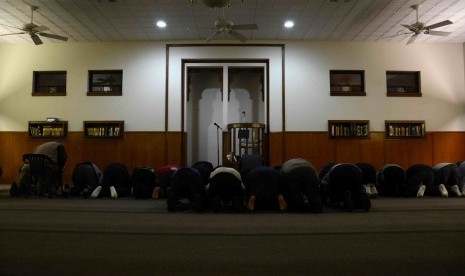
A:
(295, 185)
(298, 186)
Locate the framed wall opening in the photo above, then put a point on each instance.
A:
(177, 57)
(216, 93)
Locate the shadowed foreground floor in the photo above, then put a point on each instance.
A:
(41, 236)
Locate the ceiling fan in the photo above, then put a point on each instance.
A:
(418, 27)
(216, 4)
(34, 30)
(223, 26)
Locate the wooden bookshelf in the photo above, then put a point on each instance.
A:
(404, 129)
(359, 129)
(47, 130)
(104, 129)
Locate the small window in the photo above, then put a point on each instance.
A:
(105, 83)
(347, 83)
(403, 84)
(49, 83)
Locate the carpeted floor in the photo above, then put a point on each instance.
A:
(41, 236)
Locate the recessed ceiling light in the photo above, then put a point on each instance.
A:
(161, 24)
(289, 24)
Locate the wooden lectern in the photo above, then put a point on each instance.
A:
(245, 139)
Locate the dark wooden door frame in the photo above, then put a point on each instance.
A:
(283, 85)
(218, 62)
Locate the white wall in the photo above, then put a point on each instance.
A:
(309, 106)
(307, 64)
(142, 105)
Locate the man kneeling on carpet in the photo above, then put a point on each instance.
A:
(301, 185)
(446, 179)
(57, 153)
(461, 167)
(343, 183)
(115, 183)
(186, 184)
(391, 181)
(86, 178)
(420, 178)
(264, 189)
(225, 188)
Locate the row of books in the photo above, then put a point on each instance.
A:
(413, 130)
(351, 129)
(109, 131)
(44, 131)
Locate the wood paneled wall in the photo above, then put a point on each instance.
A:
(316, 147)
(159, 148)
(154, 149)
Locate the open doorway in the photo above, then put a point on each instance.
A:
(204, 109)
(217, 95)
(246, 95)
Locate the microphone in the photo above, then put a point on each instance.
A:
(217, 126)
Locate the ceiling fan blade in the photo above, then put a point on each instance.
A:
(59, 37)
(36, 39)
(238, 36)
(41, 28)
(391, 36)
(438, 33)
(245, 27)
(11, 34)
(212, 36)
(10, 26)
(399, 33)
(412, 39)
(439, 24)
(405, 25)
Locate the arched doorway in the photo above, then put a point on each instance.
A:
(206, 106)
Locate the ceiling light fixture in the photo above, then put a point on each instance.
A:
(216, 4)
(161, 24)
(289, 24)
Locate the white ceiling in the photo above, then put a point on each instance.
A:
(335, 20)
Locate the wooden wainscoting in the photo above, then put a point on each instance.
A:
(448, 146)
(160, 148)
(316, 147)
(154, 149)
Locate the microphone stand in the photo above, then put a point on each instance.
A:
(218, 142)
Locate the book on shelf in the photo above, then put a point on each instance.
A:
(46, 131)
(351, 129)
(103, 131)
(416, 130)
